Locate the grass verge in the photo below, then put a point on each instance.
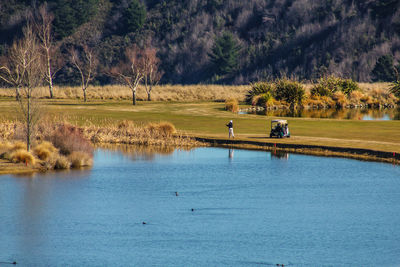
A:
(208, 120)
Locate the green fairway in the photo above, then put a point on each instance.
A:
(209, 119)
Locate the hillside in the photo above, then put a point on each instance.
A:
(264, 38)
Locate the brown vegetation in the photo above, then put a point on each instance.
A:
(232, 104)
(21, 155)
(159, 92)
(64, 146)
(126, 132)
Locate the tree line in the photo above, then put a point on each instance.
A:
(34, 59)
(223, 41)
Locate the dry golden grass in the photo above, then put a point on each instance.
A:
(18, 145)
(162, 129)
(125, 132)
(21, 155)
(367, 87)
(340, 99)
(159, 93)
(232, 104)
(44, 150)
(80, 159)
(61, 163)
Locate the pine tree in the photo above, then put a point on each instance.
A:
(384, 69)
(225, 54)
(134, 16)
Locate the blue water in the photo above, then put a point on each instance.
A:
(251, 208)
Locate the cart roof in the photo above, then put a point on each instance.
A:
(280, 121)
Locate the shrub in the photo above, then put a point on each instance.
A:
(257, 89)
(5, 146)
(162, 128)
(18, 145)
(347, 86)
(44, 150)
(166, 128)
(327, 86)
(340, 99)
(80, 159)
(232, 105)
(265, 100)
(21, 155)
(62, 163)
(355, 97)
(69, 138)
(395, 88)
(367, 99)
(290, 91)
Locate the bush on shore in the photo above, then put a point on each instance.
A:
(265, 94)
(22, 156)
(258, 89)
(45, 155)
(327, 86)
(232, 105)
(69, 138)
(290, 91)
(80, 159)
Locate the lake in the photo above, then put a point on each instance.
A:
(346, 114)
(250, 208)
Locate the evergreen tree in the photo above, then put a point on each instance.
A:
(70, 14)
(134, 17)
(64, 21)
(225, 54)
(384, 69)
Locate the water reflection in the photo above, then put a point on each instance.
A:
(31, 219)
(230, 153)
(349, 114)
(140, 152)
(277, 154)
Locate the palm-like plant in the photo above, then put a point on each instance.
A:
(395, 86)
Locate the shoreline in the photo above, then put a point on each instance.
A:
(9, 168)
(314, 150)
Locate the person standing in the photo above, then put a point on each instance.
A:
(230, 127)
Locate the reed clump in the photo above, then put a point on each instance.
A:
(80, 159)
(125, 132)
(44, 150)
(232, 105)
(22, 156)
(62, 163)
(51, 148)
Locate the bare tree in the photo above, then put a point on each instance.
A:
(10, 72)
(43, 28)
(152, 74)
(130, 71)
(25, 71)
(85, 62)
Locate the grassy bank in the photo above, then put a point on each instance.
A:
(208, 119)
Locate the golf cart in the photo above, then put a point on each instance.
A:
(279, 128)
